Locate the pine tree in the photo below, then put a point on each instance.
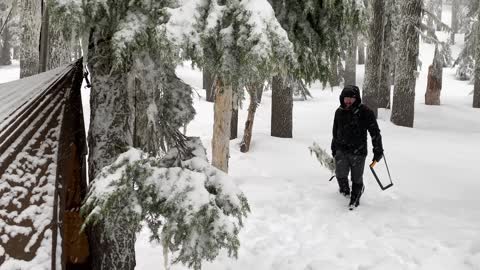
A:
(31, 19)
(476, 88)
(208, 83)
(388, 57)
(465, 60)
(406, 63)
(434, 81)
(317, 30)
(282, 107)
(258, 49)
(374, 57)
(454, 20)
(59, 36)
(252, 88)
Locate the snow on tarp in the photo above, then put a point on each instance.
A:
(31, 112)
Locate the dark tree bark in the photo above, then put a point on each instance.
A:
(403, 106)
(351, 61)
(44, 33)
(387, 60)
(374, 57)
(252, 89)
(334, 76)
(234, 121)
(5, 58)
(208, 85)
(434, 81)
(361, 52)
(476, 87)
(282, 108)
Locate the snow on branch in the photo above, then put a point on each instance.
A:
(194, 209)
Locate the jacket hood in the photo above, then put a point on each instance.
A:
(350, 91)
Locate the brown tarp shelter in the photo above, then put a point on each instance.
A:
(42, 171)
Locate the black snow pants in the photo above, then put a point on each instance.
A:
(345, 163)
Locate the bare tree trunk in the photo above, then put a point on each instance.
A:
(334, 76)
(351, 61)
(259, 95)
(221, 125)
(252, 89)
(234, 121)
(361, 52)
(282, 108)
(476, 87)
(430, 6)
(387, 61)
(44, 33)
(374, 57)
(403, 106)
(434, 82)
(16, 53)
(208, 85)
(31, 20)
(60, 44)
(454, 21)
(5, 57)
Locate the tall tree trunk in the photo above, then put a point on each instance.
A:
(334, 76)
(403, 106)
(252, 89)
(361, 52)
(31, 21)
(234, 121)
(60, 50)
(259, 95)
(351, 61)
(208, 85)
(16, 53)
(430, 6)
(282, 108)
(221, 125)
(454, 21)
(112, 241)
(5, 58)
(44, 33)
(438, 12)
(374, 57)
(476, 87)
(387, 60)
(434, 81)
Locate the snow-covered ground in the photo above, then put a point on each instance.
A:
(430, 219)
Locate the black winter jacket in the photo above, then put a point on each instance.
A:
(350, 129)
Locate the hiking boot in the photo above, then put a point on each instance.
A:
(344, 188)
(357, 191)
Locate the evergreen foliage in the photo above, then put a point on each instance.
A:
(193, 208)
(465, 60)
(319, 31)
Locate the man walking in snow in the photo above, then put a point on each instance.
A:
(349, 144)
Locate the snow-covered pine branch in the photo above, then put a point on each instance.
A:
(244, 38)
(194, 209)
(323, 157)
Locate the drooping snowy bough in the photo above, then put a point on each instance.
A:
(190, 206)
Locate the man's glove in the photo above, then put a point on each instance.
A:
(377, 157)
